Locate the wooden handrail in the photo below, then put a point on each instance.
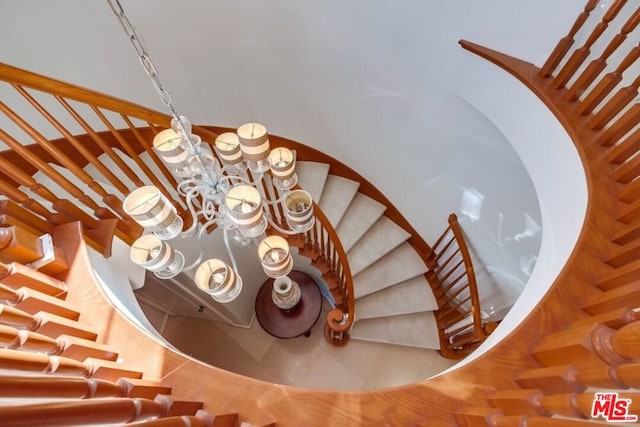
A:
(340, 320)
(57, 87)
(453, 279)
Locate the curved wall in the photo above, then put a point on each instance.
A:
(381, 86)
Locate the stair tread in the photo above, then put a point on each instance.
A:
(402, 263)
(361, 214)
(311, 177)
(411, 296)
(337, 194)
(413, 330)
(380, 239)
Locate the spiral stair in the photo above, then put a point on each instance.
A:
(394, 301)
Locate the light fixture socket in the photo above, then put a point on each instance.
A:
(152, 210)
(157, 256)
(283, 167)
(227, 145)
(274, 255)
(244, 207)
(218, 279)
(298, 208)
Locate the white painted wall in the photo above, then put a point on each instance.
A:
(380, 85)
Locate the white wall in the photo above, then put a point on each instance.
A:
(380, 85)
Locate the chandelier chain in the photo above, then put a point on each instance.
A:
(143, 55)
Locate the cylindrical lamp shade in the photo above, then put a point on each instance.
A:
(227, 146)
(157, 256)
(254, 141)
(283, 164)
(153, 211)
(244, 207)
(168, 145)
(218, 280)
(298, 208)
(274, 256)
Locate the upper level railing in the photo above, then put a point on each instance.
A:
(586, 365)
(453, 278)
(92, 126)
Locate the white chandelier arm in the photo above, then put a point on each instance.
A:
(201, 233)
(278, 228)
(234, 265)
(190, 196)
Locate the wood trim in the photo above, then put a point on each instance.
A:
(26, 78)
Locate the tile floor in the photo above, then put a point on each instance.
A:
(303, 362)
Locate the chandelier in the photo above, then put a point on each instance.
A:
(224, 193)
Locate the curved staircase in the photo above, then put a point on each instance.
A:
(394, 302)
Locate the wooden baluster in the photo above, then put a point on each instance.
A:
(554, 379)
(74, 412)
(628, 171)
(154, 156)
(86, 153)
(12, 316)
(13, 214)
(17, 275)
(620, 297)
(48, 170)
(619, 101)
(64, 160)
(439, 241)
(625, 342)
(444, 279)
(24, 200)
(134, 156)
(625, 123)
(580, 55)
(34, 341)
(627, 233)
(619, 277)
(607, 83)
(45, 386)
(630, 213)
(566, 42)
(442, 290)
(591, 346)
(444, 265)
(629, 193)
(598, 65)
(104, 146)
(620, 377)
(446, 246)
(625, 149)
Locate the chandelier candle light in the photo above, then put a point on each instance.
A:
(221, 193)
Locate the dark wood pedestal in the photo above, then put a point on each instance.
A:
(290, 323)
